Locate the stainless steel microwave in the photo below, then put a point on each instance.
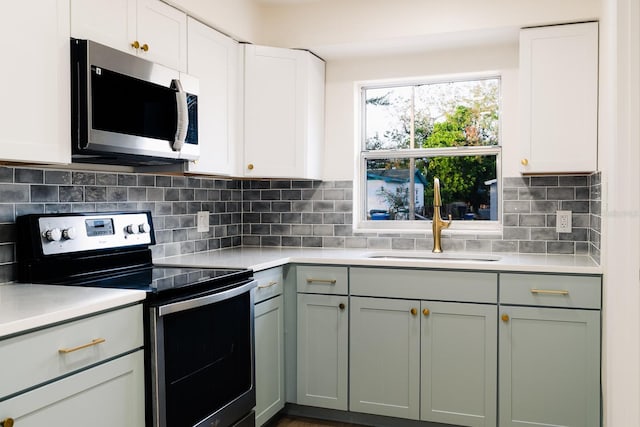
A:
(128, 111)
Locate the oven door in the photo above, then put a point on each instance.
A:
(202, 359)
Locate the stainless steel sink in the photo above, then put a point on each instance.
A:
(443, 256)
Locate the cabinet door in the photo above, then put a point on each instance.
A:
(111, 23)
(322, 351)
(549, 367)
(283, 113)
(164, 30)
(269, 333)
(110, 394)
(559, 95)
(459, 360)
(213, 59)
(35, 111)
(385, 357)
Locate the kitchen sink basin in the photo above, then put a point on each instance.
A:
(443, 256)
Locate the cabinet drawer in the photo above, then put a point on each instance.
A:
(461, 286)
(36, 357)
(107, 395)
(270, 283)
(550, 290)
(322, 280)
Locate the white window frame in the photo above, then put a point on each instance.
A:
(360, 223)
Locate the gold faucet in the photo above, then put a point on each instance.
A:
(437, 224)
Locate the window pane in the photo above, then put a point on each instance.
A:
(388, 189)
(456, 114)
(468, 188)
(388, 118)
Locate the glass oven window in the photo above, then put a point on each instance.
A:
(207, 359)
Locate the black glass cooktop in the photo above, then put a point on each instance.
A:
(170, 278)
(162, 280)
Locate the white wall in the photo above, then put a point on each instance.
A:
(237, 18)
(312, 24)
(342, 100)
(619, 155)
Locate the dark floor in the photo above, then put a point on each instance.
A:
(290, 421)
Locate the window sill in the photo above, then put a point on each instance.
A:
(424, 228)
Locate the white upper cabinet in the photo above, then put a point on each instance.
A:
(214, 59)
(150, 29)
(283, 113)
(559, 96)
(35, 112)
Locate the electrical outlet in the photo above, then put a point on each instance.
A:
(563, 221)
(203, 221)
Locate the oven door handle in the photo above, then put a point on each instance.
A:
(213, 298)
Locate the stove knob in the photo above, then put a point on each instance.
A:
(69, 233)
(52, 235)
(144, 228)
(131, 229)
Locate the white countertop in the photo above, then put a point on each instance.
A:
(263, 258)
(26, 306)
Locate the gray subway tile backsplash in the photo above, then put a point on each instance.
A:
(292, 213)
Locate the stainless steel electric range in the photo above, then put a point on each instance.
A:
(199, 338)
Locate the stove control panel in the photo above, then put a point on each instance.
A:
(62, 234)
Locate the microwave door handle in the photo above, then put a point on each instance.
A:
(182, 119)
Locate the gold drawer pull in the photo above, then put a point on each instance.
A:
(549, 292)
(329, 281)
(80, 347)
(145, 47)
(341, 306)
(426, 312)
(505, 317)
(7, 422)
(135, 44)
(414, 311)
(268, 285)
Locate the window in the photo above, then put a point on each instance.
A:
(414, 133)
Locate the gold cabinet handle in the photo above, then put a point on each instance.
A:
(268, 285)
(550, 291)
(250, 166)
(7, 422)
(524, 162)
(80, 347)
(341, 306)
(135, 44)
(145, 47)
(426, 312)
(505, 317)
(414, 311)
(328, 281)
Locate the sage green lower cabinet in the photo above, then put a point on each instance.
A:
(549, 367)
(269, 350)
(110, 394)
(458, 363)
(549, 350)
(424, 345)
(385, 357)
(428, 360)
(322, 343)
(84, 372)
